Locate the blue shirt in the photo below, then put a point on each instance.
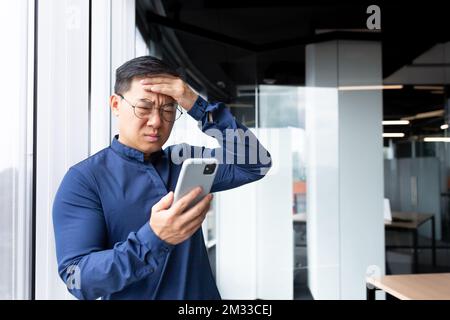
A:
(104, 244)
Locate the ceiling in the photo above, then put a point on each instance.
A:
(242, 42)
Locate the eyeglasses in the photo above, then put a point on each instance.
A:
(169, 112)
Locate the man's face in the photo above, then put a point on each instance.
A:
(148, 134)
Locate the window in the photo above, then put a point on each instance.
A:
(16, 137)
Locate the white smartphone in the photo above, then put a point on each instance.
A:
(196, 172)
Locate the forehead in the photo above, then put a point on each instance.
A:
(137, 92)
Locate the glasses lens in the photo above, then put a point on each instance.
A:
(170, 112)
(143, 109)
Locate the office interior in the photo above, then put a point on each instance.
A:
(351, 99)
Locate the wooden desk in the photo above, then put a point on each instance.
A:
(430, 286)
(416, 220)
(412, 226)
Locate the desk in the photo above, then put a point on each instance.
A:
(415, 221)
(430, 286)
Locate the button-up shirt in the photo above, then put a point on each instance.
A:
(104, 243)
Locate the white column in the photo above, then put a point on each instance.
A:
(345, 169)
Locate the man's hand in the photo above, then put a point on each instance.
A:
(173, 87)
(176, 224)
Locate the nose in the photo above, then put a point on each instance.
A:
(154, 119)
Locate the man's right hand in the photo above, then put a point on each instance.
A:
(174, 224)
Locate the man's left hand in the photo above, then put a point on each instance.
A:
(173, 87)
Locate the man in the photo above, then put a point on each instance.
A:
(118, 235)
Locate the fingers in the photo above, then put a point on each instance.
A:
(197, 211)
(193, 224)
(164, 85)
(164, 203)
(181, 205)
(160, 88)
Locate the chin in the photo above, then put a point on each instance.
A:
(151, 147)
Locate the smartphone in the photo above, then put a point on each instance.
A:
(196, 172)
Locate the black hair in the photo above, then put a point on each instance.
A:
(140, 67)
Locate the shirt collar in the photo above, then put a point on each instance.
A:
(132, 153)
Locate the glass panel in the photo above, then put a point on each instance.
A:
(284, 107)
(416, 177)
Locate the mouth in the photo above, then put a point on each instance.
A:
(151, 137)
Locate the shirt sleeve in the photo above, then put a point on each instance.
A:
(89, 269)
(242, 158)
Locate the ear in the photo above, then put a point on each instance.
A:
(114, 102)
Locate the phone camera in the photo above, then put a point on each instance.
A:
(209, 168)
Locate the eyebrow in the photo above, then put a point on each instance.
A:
(146, 100)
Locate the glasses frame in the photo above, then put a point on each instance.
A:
(159, 109)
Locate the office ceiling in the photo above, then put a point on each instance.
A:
(243, 42)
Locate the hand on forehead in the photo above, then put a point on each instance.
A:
(163, 82)
(155, 97)
(141, 91)
(171, 86)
